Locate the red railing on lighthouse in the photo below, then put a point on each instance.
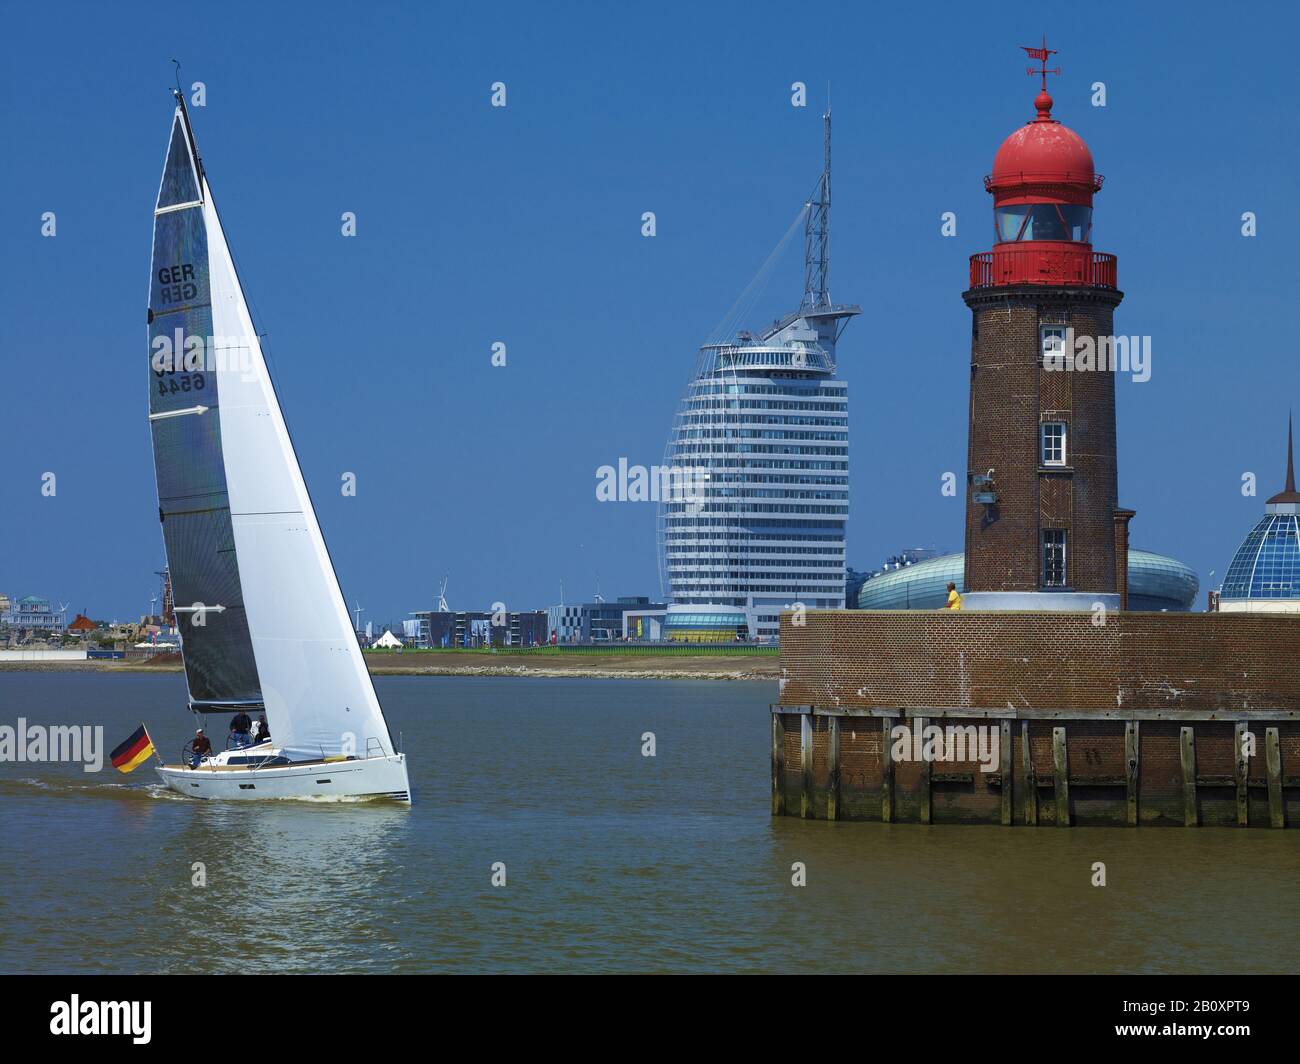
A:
(1043, 263)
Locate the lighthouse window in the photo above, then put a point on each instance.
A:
(1053, 436)
(1043, 221)
(1053, 337)
(1054, 557)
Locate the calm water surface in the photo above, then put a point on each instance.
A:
(615, 862)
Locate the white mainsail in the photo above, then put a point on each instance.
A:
(319, 698)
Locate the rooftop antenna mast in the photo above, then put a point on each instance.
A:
(817, 231)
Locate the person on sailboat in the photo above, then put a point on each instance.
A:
(241, 724)
(263, 732)
(200, 748)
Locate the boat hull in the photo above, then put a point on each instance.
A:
(374, 777)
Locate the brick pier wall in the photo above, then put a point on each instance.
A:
(1149, 719)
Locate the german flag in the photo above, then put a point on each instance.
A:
(132, 753)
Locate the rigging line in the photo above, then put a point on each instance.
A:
(757, 284)
(748, 299)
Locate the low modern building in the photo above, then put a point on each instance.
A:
(470, 629)
(1264, 576)
(564, 623)
(1156, 583)
(608, 622)
(709, 624)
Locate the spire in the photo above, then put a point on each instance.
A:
(1288, 494)
(817, 233)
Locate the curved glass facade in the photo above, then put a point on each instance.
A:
(764, 431)
(1155, 582)
(1267, 564)
(704, 626)
(921, 586)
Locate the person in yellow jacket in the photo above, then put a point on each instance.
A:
(954, 599)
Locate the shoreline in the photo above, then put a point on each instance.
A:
(683, 667)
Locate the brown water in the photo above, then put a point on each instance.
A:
(614, 862)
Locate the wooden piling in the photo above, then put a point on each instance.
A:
(1187, 755)
(1273, 758)
(1132, 755)
(832, 768)
(1061, 777)
(1005, 765)
(926, 766)
(886, 772)
(778, 764)
(805, 764)
(1031, 781)
(1240, 773)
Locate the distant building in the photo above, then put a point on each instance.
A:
(1156, 584)
(564, 623)
(82, 625)
(35, 614)
(909, 557)
(764, 433)
(853, 581)
(854, 578)
(469, 629)
(1264, 576)
(608, 622)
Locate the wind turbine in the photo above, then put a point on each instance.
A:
(358, 610)
(442, 597)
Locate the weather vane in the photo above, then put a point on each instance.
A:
(1042, 55)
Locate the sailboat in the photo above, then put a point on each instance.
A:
(264, 626)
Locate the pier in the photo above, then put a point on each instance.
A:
(1150, 719)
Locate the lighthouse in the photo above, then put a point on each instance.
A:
(1044, 529)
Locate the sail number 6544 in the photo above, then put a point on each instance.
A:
(185, 382)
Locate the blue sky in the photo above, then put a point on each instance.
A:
(522, 225)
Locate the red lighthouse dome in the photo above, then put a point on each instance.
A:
(1043, 153)
(1042, 183)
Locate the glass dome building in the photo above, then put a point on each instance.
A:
(1155, 583)
(1264, 576)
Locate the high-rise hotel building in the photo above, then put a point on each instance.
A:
(765, 425)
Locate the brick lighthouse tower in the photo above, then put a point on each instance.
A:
(1044, 529)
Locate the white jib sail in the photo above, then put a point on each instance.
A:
(318, 694)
